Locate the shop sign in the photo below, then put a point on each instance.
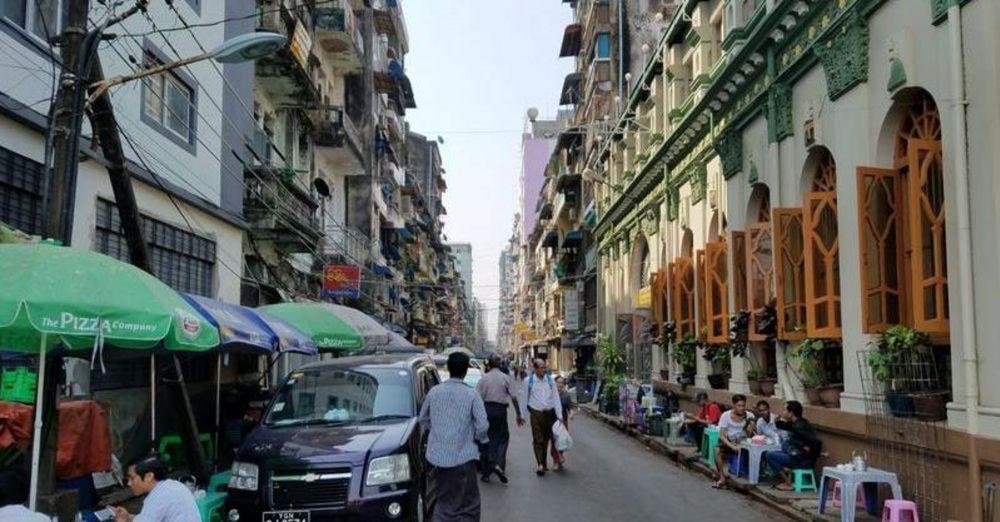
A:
(342, 281)
(645, 298)
(571, 305)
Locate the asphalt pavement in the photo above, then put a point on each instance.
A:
(608, 476)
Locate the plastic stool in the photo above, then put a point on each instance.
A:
(800, 483)
(709, 441)
(739, 466)
(900, 511)
(862, 501)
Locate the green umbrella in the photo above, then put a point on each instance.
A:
(317, 321)
(82, 299)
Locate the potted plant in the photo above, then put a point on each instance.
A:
(888, 358)
(684, 354)
(611, 364)
(719, 356)
(808, 358)
(754, 377)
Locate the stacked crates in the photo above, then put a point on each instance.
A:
(18, 385)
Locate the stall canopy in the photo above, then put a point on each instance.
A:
(244, 330)
(372, 331)
(326, 329)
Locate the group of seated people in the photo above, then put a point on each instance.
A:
(800, 446)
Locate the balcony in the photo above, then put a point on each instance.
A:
(284, 76)
(333, 128)
(350, 244)
(279, 210)
(339, 37)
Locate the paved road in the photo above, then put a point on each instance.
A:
(609, 477)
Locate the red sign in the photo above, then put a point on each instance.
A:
(342, 281)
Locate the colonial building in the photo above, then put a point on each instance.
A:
(796, 178)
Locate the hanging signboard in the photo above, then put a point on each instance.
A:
(571, 305)
(342, 281)
(644, 299)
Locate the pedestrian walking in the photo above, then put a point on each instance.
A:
(541, 399)
(497, 393)
(454, 415)
(569, 410)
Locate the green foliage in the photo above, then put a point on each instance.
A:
(754, 374)
(890, 348)
(807, 358)
(609, 358)
(685, 351)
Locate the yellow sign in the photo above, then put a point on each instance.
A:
(520, 327)
(301, 45)
(645, 298)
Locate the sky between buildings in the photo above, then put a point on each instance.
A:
(476, 67)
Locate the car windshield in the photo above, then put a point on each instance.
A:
(342, 396)
(471, 377)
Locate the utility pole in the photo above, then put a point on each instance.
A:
(58, 216)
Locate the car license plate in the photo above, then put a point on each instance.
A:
(286, 516)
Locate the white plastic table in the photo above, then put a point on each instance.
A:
(755, 452)
(849, 482)
(672, 427)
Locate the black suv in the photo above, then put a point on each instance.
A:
(339, 441)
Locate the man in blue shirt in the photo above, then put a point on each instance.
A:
(454, 415)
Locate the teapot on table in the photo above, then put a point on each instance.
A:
(859, 461)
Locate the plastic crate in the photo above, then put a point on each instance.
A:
(18, 385)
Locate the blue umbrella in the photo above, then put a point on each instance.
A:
(245, 330)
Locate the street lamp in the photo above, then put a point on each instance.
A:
(245, 47)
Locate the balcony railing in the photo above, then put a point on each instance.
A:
(333, 127)
(338, 34)
(278, 209)
(349, 243)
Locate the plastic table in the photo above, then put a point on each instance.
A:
(672, 431)
(755, 452)
(849, 481)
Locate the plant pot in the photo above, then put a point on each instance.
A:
(930, 406)
(767, 387)
(900, 404)
(686, 378)
(830, 396)
(754, 386)
(718, 381)
(812, 397)
(665, 374)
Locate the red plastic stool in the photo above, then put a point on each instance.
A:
(861, 500)
(900, 511)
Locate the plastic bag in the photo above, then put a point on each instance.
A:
(561, 436)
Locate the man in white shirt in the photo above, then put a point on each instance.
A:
(732, 431)
(765, 424)
(541, 399)
(166, 500)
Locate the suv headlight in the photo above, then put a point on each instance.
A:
(388, 470)
(244, 476)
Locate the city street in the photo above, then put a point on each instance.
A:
(608, 476)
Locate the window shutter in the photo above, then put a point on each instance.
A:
(822, 270)
(760, 273)
(683, 297)
(717, 302)
(789, 267)
(879, 214)
(929, 264)
(700, 278)
(738, 238)
(658, 294)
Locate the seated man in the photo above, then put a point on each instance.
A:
(708, 415)
(765, 425)
(166, 500)
(734, 426)
(799, 451)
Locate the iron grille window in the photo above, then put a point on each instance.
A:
(183, 260)
(21, 199)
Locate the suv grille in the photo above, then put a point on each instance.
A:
(316, 488)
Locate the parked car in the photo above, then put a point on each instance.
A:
(472, 376)
(339, 440)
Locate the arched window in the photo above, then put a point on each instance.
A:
(760, 251)
(902, 210)
(822, 250)
(644, 259)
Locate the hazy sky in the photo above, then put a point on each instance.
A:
(476, 67)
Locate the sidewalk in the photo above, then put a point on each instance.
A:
(798, 506)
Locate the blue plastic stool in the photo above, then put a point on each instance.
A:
(739, 466)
